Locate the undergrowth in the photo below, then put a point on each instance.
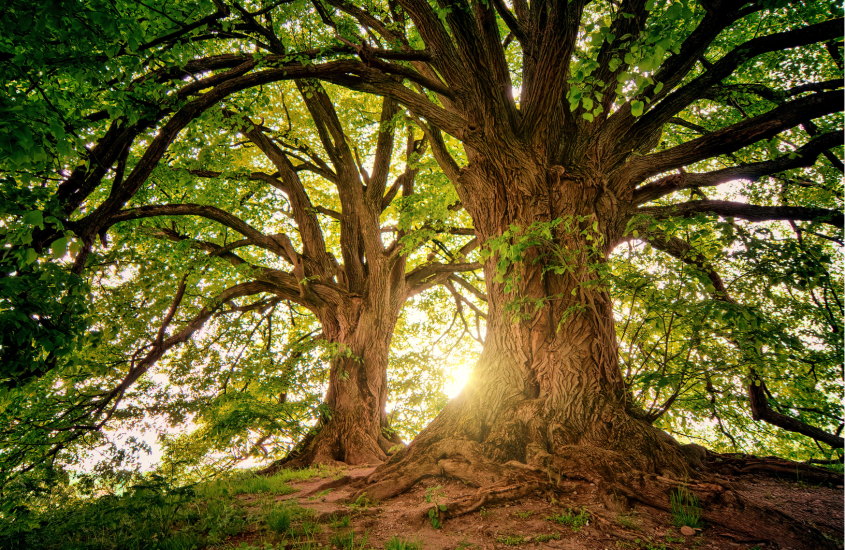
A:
(151, 513)
(685, 508)
(574, 519)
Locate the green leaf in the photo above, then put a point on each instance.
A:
(33, 217)
(637, 108)
(59, 247)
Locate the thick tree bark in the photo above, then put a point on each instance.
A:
(354, 430)
(547, 394)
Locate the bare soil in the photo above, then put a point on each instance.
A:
(526, 523)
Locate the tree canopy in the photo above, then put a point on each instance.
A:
(653, 190)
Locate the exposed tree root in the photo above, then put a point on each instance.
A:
(330, 445)
(614, 475)
(726, 508)
(740, 464)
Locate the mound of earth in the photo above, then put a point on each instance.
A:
(572, 515)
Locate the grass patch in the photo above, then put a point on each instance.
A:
(402, 544)
(685, 508)
(574, 520)
(280, 518)
(346, 541)
(343, 521)
(245, 483)
(525, 514)
(511, 540)
(547, 538)
(362, 503)
(150, 513)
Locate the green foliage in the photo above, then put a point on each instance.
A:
(346, 541)
(342, 521)
(435, 513)
(511, 540)
(44, 313)
(547, 537)
(571, 246)
(149, 514)
(576, 519)
(149, 511)
(397, 543)
(685, 508)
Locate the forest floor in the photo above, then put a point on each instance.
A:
(573, 517)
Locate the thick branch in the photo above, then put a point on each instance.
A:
(271, 243)
(677, 101)
(734, 137)
(803, 157)
(744, 211)
(760, 410)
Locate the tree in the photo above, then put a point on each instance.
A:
(558, 180)
(569, 117)
(356, 300)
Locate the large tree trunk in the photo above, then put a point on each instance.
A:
(547, 393)
(354, 429)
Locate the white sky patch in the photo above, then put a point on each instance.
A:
(459, 377)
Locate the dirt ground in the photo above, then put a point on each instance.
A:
(529, 524)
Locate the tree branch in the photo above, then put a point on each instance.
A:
(760, 410)
(678, 100)
(732, 138)
(744, 211)
(804, 157)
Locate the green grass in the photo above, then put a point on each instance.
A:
(280, 518)
(574, 520)
(341, 522)
(155, 515)
(346, 541)
(402, 544)
(547, 538)
(245, 483)
(511, 540)
(525, 514)
(685, 508)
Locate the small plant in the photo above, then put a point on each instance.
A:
(464, 544)
(570, 518)
(435, 514)
(402, 544)
(650, 544)
(628, 522)
(525, 514)
(685, 508)
(346, 541)
(546, 538)
(341, 522)
(511, 540)
(670, 538)
(484, 512)
(321, 494)
(279, 519)
(362, 503)
(306, 529)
